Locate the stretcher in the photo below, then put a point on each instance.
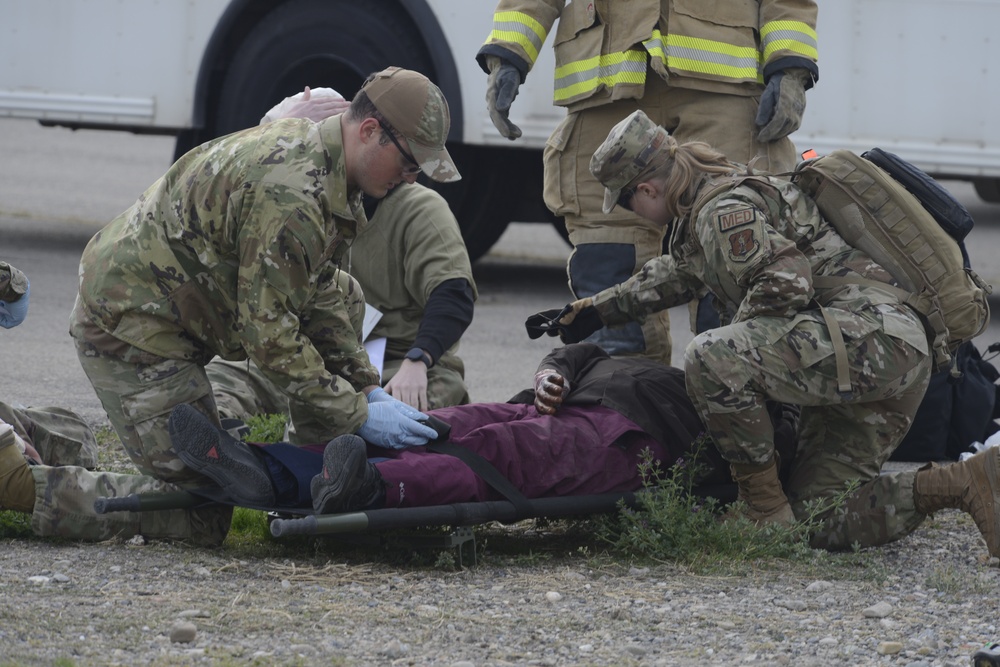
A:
(514, 507)
(460, 517)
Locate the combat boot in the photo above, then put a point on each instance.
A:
(972, 486)
(349, 481)
(760, 489)
(17, 486)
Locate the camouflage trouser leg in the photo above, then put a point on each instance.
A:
(731, 372)
(64, 507)
(879, 512)
(60, 436)
(241, 390)
(138, 397)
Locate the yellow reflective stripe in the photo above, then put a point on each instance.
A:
(584, 76)
(518, 28)
(694, 54)
(654, 46)
(793, 36)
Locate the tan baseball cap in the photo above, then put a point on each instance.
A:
(630, 151)
(416, 108)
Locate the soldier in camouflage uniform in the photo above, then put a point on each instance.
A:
(233, 253)
(853, 357)
(413, 266)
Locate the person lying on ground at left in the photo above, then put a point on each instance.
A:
(583, 428)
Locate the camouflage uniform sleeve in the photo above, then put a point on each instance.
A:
(13, 282)
(775, 276)
(658, 285)
(278, 279)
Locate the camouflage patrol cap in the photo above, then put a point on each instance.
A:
(416, 108)
(630, 151)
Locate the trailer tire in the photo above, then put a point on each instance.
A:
(988, 189)
(338, 43)
(334, 43)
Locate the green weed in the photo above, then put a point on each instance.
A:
(267, 428)
(671, 523)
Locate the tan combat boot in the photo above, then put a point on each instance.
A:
(17, 486)
(972, 486)
(760, 489)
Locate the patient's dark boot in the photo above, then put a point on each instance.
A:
(348, 481)
(231, 464)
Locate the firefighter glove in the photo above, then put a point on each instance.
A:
(501, 89)
(782, 104)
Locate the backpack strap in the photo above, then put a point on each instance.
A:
(839, 354)
(926, 307)
(723, 183)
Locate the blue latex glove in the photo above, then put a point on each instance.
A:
(379, 395)
(13, 313)
(394, 424)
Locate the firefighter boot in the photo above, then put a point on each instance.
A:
(972, 486)
(17, 486)
(760, 489)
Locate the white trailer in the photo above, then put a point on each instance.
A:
(916, 77)
(919, 78)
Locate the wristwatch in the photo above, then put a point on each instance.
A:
(416, 354)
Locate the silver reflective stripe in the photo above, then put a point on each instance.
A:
(793, 36)
(520, 29)
(584, 76)
(709, 57)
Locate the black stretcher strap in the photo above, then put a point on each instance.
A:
(489, 474)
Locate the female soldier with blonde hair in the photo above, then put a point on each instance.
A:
(853, 357)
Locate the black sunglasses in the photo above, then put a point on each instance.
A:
(415, 169)
(625, 198)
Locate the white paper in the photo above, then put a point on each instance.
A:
(375, 347)
(372, 316)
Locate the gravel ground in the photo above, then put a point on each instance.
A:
(930, 599)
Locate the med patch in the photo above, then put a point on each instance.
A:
(738, 226)
(734, 218)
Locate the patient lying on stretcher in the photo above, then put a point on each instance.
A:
(582, 429)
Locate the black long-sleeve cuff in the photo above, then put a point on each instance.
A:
(447, 315)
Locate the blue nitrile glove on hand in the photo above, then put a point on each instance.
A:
(13, 313)
(394, 424)
(379, 395)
